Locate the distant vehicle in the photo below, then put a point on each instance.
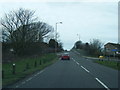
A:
(65, 56)
(101, 58)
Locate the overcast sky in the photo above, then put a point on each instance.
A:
(91, 20)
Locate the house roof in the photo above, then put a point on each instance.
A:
(114, 44)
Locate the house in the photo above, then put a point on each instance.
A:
(111, 49)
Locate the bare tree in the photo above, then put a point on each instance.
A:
(22, 28)
(95, 46)
(43, 30)
(14, 26)
(78, 44)
(16, 19)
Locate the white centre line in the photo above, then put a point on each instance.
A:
(95, 78)
(77, 63)
(73, 59)
(85, 69)
(102, 84)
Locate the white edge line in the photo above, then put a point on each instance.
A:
(17, 86)
(85, 69)
(35, 75)
(102, 83)
(29, 79)
(23, 82)
(38, 73)
(41, 71)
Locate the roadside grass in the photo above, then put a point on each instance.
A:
(111, 64)
(22, 69)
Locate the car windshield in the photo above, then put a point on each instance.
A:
(65, 53)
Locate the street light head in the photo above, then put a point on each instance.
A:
(60, 22)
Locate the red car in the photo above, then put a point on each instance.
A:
(65, 56)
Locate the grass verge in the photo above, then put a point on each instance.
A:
(25, 67)
(111, 64)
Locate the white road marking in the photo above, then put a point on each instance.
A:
(35, 75)
(85, 69)
(102, 84)
(41, 71)
(28, 79)
(23, 82)
(73, 59)
(95, 78)
(38, 73)
(77, 63)
(81, 66)
(17, 86)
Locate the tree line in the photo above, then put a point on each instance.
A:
(24, 33)
(93, 48)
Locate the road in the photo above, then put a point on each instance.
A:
(76, 73)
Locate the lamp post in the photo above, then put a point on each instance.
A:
(56, 35)
(78, 36)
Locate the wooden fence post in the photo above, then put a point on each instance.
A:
(35, 64)
(3, 74)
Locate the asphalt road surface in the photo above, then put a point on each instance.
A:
(76, 73)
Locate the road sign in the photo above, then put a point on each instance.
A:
(114, 50)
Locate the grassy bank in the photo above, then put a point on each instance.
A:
(25, 67)
(111, 64)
